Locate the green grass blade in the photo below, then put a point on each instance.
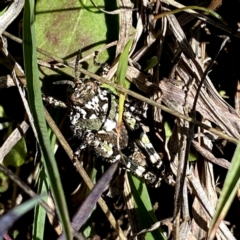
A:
(7, 220)
(35, 101)
(230, 187)
(123, 64)
(144, 208)
(39, 211)
(121, 80)
(43, 187)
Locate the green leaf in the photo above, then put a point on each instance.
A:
(39, 211)
(3, 11)
(112, 89)
(3, 115)
(123, 64)
(229, 190)
(192, 157)
(43, 187)
(2, 112)
(63, 27)
(121, 80)
(17, 156)
(35, 101)
(144, 208)
(168, 132)
(151, 63)
(4, 183)
(7, 220)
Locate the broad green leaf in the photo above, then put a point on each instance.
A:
(35, 101)
(64, 27)
(229, 190)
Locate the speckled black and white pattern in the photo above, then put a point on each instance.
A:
(93, 118)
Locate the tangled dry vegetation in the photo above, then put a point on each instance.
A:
(185, 65)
